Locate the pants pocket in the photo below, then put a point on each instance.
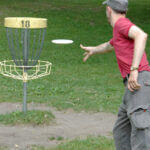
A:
(140, 118)
(146, 82)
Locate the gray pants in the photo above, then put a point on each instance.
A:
(132, 128)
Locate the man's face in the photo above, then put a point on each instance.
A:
(108, 14)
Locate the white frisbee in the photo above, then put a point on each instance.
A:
(62, 41)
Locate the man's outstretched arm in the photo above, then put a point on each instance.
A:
(102, 48)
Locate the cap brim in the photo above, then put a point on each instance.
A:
(105, 2)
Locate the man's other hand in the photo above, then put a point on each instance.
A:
(132, 81)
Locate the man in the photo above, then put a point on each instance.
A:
(132, 128)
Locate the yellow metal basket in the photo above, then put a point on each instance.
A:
(10, 69)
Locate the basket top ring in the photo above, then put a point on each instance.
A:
(25, 22)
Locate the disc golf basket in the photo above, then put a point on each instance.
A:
(25, 38)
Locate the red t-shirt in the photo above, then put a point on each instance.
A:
(124, 47)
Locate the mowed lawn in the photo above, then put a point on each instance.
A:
(95, 85)
(92, 86)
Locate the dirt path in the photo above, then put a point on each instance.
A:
(69, 125)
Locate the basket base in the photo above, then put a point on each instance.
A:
(10, 69)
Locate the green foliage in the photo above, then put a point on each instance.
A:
(34, 117)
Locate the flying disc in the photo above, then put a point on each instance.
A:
(62, 41)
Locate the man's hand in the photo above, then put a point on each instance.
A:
(89, 52)
(132, 81)
(102, 48)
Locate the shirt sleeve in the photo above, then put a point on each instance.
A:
(124, 27)
(111, 42)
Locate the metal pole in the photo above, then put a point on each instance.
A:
(25, 97)
(25, 63)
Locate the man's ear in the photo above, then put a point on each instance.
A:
(109, 9)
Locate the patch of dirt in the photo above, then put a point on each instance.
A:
(69, 125)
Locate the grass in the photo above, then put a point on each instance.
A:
(34, 117)
(91, 143)
(59, 138)
(92, 86)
